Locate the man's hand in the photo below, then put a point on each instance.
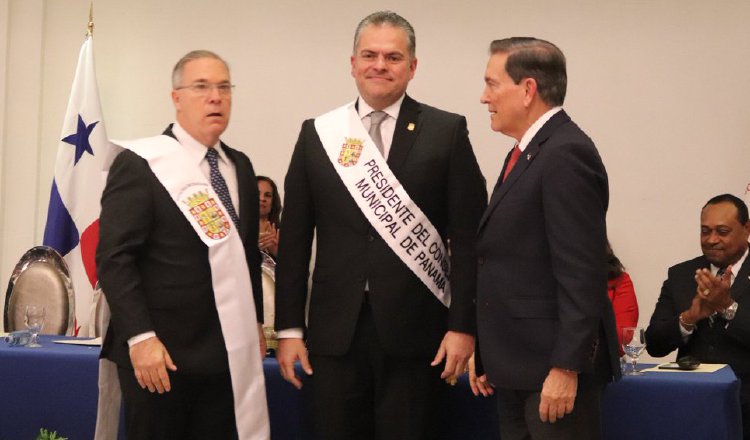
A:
(150, 361)
(262, 341)
(479, 384)
(715, 290)
(289, 351)
(456, 348)
(699, 309)
(558, 394)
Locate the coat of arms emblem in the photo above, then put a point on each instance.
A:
(209, 216)
(351, 149)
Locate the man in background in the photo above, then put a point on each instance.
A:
(702, 310)
(387, 318)
(546, 330)
(180, 267)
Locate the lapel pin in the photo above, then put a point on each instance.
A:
(528, 156)
(410, 127)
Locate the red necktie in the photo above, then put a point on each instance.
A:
(512, 162)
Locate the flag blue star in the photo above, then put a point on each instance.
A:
(80, 139)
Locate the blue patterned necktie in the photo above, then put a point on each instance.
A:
(220, 185)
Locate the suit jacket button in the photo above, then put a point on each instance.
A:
(370, 238)
(480, 260)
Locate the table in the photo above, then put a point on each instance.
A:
(666, 405)
(678, 405)
(53, 387)
(655, 405)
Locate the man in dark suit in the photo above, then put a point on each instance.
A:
(701, 311)
(545, 327)
(159, 270)
(379, 338)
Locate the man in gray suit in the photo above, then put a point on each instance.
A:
(383, 326)
(545, 327)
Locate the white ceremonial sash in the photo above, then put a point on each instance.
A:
(233, 291)
(383, 200)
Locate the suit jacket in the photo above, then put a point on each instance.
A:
(542, 292)
(154, 269)
(720, 342)
(436, 165)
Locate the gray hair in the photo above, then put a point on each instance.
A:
(389, 18)
(190, 56)
(541, 60)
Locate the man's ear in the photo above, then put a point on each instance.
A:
(530, 87)
(176, 99)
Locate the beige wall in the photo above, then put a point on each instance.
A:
(659, 86)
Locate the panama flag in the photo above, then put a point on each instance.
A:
(83, 155)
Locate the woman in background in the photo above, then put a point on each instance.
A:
(621, 294)
(270, 214)
(268, 243)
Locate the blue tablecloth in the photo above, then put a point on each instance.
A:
(55, 387)
(52, 387)
(673, 405)
(656, 405)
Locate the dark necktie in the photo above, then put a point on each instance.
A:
(220, 185)
(512, 162)
(376, 118)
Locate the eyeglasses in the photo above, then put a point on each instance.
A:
(205, 88)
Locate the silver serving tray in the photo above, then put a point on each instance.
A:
(41, 277)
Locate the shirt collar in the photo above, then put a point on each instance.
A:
(364, 109)
(196, 150)
(735, 267)
(536, 126)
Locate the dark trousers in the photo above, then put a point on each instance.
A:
(518, 412)
(197, 407)
(367, 394)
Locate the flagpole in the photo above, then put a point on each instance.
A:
(90, 26)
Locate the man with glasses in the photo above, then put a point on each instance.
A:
(180, 267)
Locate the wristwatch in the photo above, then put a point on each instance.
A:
(730, 311)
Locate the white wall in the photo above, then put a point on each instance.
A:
(659, 86)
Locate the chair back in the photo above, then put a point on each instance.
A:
(98, 320)
(268, 277)
(41, 277)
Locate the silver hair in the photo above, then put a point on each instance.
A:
(190, 56)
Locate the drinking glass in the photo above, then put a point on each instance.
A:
(34, 318)
(633, 343)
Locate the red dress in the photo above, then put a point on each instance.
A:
(624, 304)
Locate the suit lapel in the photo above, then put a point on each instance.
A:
(527, 157)
(741, 281)
(168, 132)
(408, 125)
